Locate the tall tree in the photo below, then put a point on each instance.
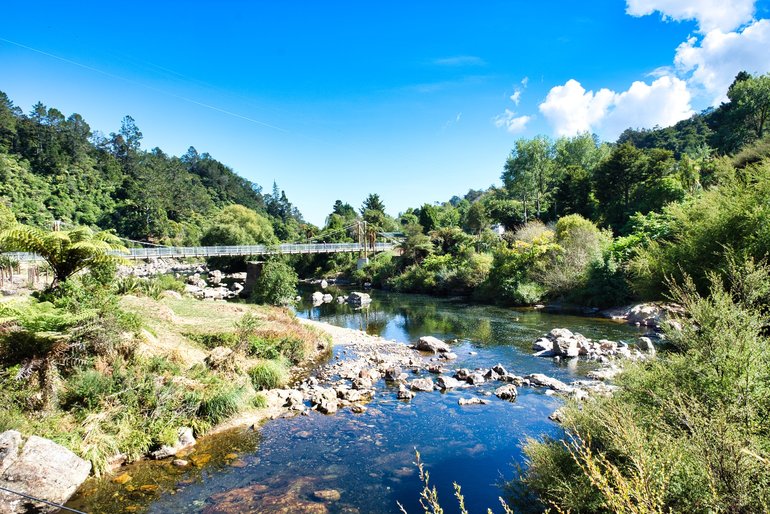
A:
(527, 172)
(614, 181)
(752, 102)
(373, 203)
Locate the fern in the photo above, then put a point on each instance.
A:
(66, 252)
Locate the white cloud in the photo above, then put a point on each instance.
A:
(512, 123)
(516, 96)
(713, 61)
(723, 15)
(570, 109)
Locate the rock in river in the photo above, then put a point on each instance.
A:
(421, 384)
(506, 392)
(42, 469)
(431, 344)
(446, 383)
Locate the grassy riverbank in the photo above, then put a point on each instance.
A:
(114, 377)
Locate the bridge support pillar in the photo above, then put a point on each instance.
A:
(362, 262)
(253, 271)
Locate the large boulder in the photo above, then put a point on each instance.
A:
(431, 344)
(646, 345)
(42, 469)
(215, 277)
(221, 358)
(506, 392)
(358, 299)
(539, 379)
(445, 383)
(421, 384)
(565, 343)
(10, 442)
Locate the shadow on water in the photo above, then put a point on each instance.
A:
(348, 463)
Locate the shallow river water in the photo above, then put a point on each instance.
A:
(368, 458)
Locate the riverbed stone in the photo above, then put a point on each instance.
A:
(329, 495)
(491, 375)
(545, 381)
(646, 345)
(499, 369)
(358, 299)
(421, 384)
(328, 407)
(462, 374)
(542, 344)
(361, 383)
(392, 373)
(506, 392)
(42, 469)
(431, 344)
(404, 393)
(10, 442)
(475, 378)
(472, 401)
(445, 383)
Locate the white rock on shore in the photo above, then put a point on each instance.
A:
(40, 468)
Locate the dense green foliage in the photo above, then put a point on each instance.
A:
(276, 285)
(596, 224)
(54, 167)
(686, 432)
(66, 252)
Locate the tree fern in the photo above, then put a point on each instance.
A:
(67, 251)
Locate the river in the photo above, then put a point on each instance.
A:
(368, 458)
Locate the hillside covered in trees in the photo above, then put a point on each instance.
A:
(54, 167)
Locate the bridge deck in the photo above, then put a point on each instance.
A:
(180, 252)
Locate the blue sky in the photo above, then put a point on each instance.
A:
(416, 101)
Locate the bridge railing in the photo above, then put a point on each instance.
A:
(180, 252)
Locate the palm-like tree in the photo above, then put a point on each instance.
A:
(66, 251)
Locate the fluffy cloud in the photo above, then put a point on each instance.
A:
(570, 109)
(713, 61)
(723, 15)
(512, 123)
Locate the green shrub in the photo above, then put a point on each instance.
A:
(168, 283)
(701, 233)
(226, 339)
(276, 285)
(269, 375)
(220, 404)
(87, 389)
(687, 432)
(259, 401)
(128, 285)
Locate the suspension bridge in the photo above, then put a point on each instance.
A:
(366, 245)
